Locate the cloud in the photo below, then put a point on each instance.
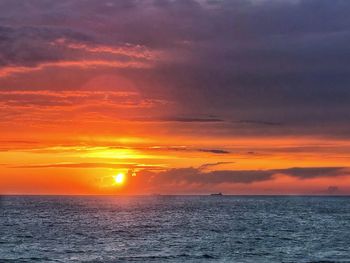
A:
(16, 142)
(189, 119)
(215, 151)
(185, 149)
(120, 99)
(313, 172)
(256, 122)
(82, 64)
(160, 175)
(210, 165)
(126, 50)
(180, 119)
(333, 190)
(254, 61)
(29, 49)
(91, 165)
(29, 46)
(199, 176)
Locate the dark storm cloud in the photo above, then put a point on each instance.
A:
(263, 62)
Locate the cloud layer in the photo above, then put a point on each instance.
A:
(267, 62)
(198, 176)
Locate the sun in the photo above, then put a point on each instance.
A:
(119, 178)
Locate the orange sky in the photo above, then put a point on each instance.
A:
(177, 102)
(58, 161)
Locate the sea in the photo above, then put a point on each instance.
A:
(174, 229)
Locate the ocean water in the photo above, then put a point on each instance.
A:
(174, 229)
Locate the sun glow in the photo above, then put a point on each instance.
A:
(119, 178)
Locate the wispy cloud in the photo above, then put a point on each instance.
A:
(92, 165)
(127, 50)
(180, 119)
(64, 48)
(257, 122)
(216, 151)
(82, 64)
(211, 165)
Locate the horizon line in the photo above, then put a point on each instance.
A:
(189, 195)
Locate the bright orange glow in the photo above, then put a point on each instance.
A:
(99, 164)
(119, 178)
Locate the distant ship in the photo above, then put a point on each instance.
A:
(216, 194)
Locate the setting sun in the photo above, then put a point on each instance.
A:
(119, 178)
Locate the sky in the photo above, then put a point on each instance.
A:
(178, 96)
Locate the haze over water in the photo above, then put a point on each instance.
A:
(174, 229)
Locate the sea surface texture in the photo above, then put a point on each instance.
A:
(174, 229)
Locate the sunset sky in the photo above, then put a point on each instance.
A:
(180, 97)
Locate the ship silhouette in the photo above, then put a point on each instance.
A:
(216, 194)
